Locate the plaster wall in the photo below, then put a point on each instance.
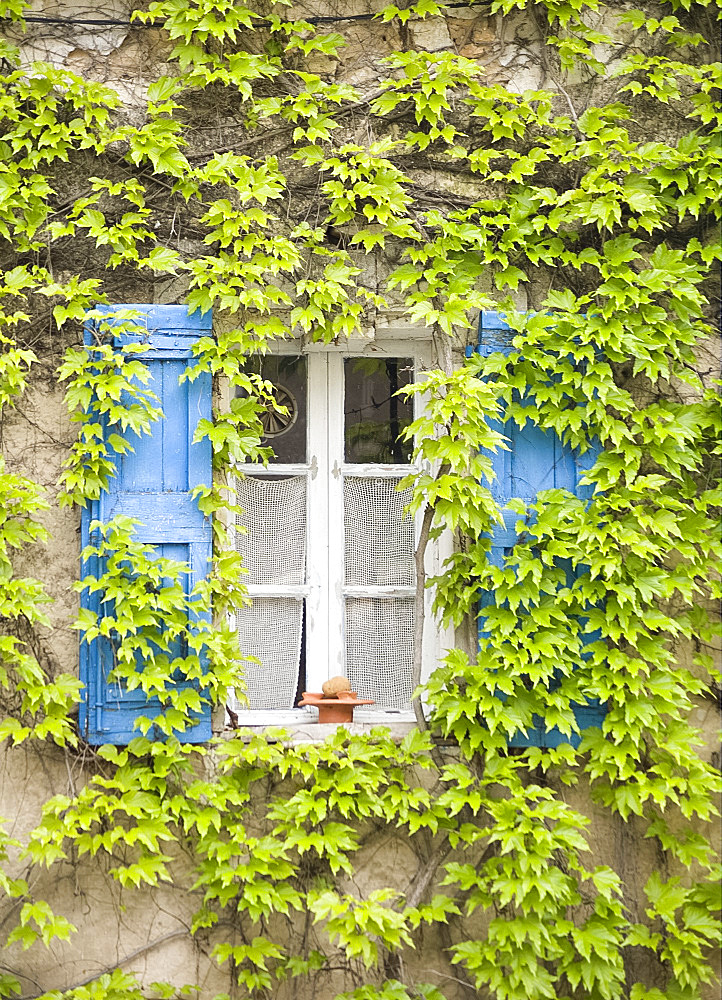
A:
(146, 931)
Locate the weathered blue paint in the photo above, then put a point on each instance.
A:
(536, 460)
(153, 485)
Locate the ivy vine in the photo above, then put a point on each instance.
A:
(610, 225)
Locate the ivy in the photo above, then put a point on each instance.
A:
(465, 191)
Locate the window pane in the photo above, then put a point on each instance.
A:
(373, 415)
(379, 537)
(273, 544)
(380, 649)
(285, 432)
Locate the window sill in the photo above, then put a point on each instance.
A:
(309, 731)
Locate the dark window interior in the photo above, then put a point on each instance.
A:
(285, 431)
(374, 415)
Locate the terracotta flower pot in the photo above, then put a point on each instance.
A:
(338, 709)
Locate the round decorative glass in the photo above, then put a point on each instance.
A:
(274, 423)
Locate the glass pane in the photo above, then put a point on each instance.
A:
(373, 415)
(380, 649)
(285, 432)
(379, 536)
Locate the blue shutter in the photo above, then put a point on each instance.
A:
(153, 485)
(536, 460)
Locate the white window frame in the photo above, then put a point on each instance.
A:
(325, 590)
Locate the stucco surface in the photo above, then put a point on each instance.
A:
(147, 931)
(36, 436)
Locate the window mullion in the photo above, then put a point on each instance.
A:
(336, 610)
(317, 610)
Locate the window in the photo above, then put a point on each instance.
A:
(327, 543)
(324, 534)
(329, 549)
